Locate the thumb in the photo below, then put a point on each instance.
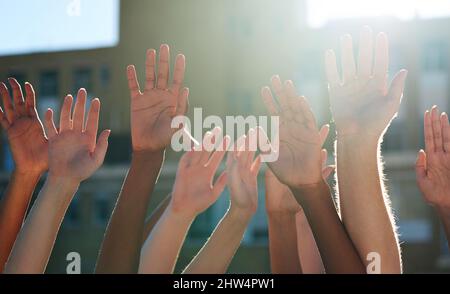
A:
(397, 86)
(101, 147)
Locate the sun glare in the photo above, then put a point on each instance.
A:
(320, 12)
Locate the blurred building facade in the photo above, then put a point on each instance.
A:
(232, 49)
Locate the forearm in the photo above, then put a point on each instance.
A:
(364, 205)
(216, 255)
(160, 251)
(123, 238)
(13, 208)
(335, 247)
(37, 237)
(308, 252)
(284, 257)
(444, 216)
(153, 219)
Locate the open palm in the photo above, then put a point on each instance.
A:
(242, 170)
(362, 101)
(73, 150)
(194, 191)
(24, 129)
(433, 164)
(300, 145)
(153, 109)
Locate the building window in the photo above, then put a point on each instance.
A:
(83, 78)
(48, 91)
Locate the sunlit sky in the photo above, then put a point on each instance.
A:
(56, 25)
(319, 12)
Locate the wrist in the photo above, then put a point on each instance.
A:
(63, 181)
(240, 214)
(147, 155)
(28, 173)
(358, 138)
(304, 192)
(180, 213)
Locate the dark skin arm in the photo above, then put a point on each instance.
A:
(151, 114)
(29, 146)
(299, 167)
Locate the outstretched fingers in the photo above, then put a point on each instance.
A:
(331, 69)
(269, 101)
(50, 127)
(163, 67)
(133, 84)
(421, 168)
(178, 74)
(437, 129)
(428, 133)
(91, 127)
(101, 147)
(65, 120)
(150, 75)
(7, 104)
(445, 132)
(365, 56)
(79, 110)
(19, 103)
(348, 60)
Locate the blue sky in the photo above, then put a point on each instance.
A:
(55, 25)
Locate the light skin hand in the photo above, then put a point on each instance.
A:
(433, 164)
(74, 155)
(26, 136)
(299, 167)
(153, 109)
(29, 147)
(242, 173)
(194, 191)
(279, 198)
(300, 140)
(362, 101)
(74, 152)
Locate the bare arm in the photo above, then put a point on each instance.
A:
(74, 155)
(28, 143)
(193, 193)
(153, 219)
(309, 254)
(363, 105)
(291, 242)
(151, 113)
(242, 171)
(299, 167)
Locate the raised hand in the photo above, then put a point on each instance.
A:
(73, 151)
(299, 160)
(279, 197)
(433, 164)
(20, 120)
(362, 102)
(242, 172)
(194, 191)
(153, 109)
